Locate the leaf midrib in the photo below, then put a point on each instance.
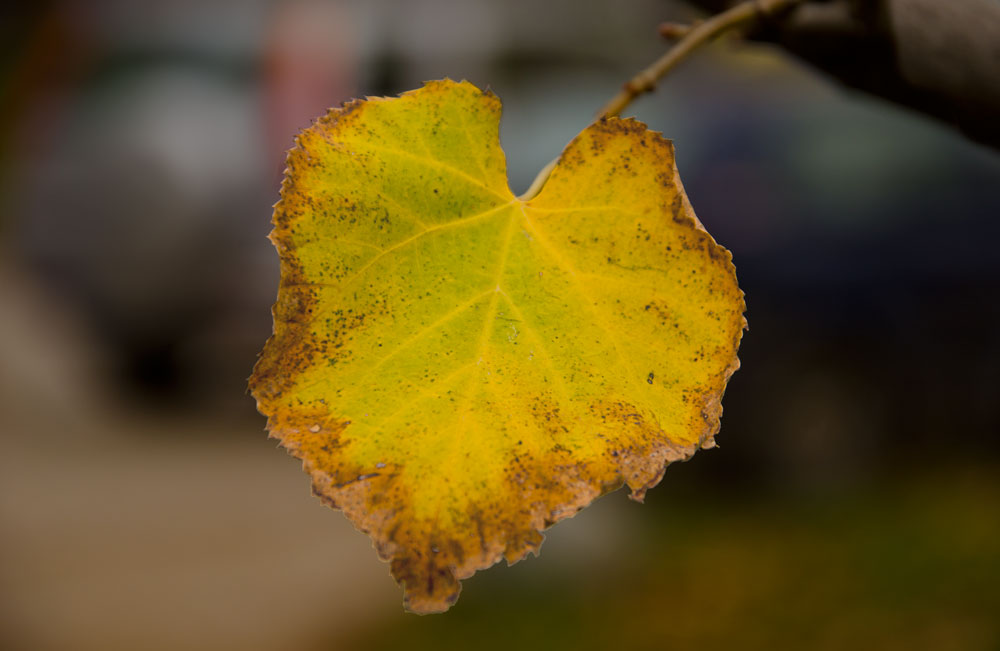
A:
(490, 318)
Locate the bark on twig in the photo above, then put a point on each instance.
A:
(742, 14)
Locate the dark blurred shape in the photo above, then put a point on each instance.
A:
(909, 567)
(147, 165)
(940, 58)
(867, 255)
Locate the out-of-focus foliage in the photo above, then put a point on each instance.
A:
(906, 565)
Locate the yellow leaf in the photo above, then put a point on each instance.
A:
(459, 368)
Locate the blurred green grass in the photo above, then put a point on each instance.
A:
(909, 563)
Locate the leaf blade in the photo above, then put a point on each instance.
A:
(458, 368)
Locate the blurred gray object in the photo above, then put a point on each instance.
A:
(941, 58)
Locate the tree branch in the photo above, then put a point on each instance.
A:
(691, 38)
(699, 34)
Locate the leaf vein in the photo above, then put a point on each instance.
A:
(422, 333)
(532, 331)
(431, 162)
(402, 243)
(568, 267)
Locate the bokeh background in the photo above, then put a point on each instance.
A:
(854, 501)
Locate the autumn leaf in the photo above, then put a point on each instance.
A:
(459, 368)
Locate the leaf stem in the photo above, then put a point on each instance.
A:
(698, 35)
(536, 185)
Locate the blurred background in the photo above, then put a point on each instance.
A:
(854, 501)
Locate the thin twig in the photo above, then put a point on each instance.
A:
(737, 16)
(698, 34)
(673, 31)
